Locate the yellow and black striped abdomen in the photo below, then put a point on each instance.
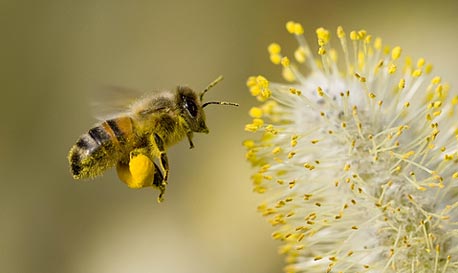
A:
(100, 148)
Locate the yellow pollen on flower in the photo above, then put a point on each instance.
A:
(396, 53)
(321, 51)
(255, 112)
(421, 62)
(378, 43)
(320, 91)
(299, 55)
(276, 150)
(275, 58)
(294, 28)
(323, 36)
(249, 144)
(368, 39)
(416, 73)
(340, 32)
(288, 74)
(402, 84)
(428, 69)
(392, 68)
(436, 80)
(285, 62)
(354, 36)
(274, 48)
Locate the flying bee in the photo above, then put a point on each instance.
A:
(133, 140)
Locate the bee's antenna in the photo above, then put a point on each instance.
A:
(220, 103)
(213, 83)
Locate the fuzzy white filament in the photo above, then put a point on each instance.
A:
(358, 162)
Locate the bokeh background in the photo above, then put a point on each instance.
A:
(56, 55)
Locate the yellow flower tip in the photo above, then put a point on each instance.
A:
(402, 84)
(262, 82)
(255, 112)
(321, 51)
(285, 62)
(275, 58)
(290, 26)
(288, 74)
(248, 144)
(421, 62)
(362, 33)
(392, 68)
(368, 39)
(428, 68)
(354, 36)
(298, 29)
(436, 80)
(396, 52)
(416, 73)
(323, 36)
(274, 48)
(299, 55)
(378, 43)
(340, 32)
(251, 81)
(333, 54)
(251, 128)
(139, 173)
(259, 87)
(294, 28)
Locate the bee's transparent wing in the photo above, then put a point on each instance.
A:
(113, 101)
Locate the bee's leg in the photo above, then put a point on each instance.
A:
(157, 182)
(163, 158)
(189, 135)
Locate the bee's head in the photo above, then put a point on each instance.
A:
(191, 109)
(191, 106)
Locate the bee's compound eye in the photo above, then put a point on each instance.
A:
(191, 106)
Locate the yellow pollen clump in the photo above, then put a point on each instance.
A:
(140, 172)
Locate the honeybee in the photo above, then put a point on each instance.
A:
(133, 140)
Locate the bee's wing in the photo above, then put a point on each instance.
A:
(113, 101)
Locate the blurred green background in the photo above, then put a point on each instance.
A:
(55, 55)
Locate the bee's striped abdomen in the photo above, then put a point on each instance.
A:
(100, 148)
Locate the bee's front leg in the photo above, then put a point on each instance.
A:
(164, 162)
(189, 135)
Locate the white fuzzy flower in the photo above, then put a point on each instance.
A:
(357, 159)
